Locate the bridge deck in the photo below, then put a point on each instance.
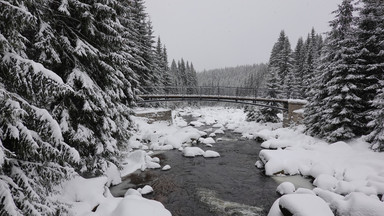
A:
(213, 97)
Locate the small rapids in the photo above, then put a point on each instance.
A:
(223, 207)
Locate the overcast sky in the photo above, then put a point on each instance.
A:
(220, 33)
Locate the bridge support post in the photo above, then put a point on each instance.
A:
(295, 112)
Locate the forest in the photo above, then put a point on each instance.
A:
(71, 70)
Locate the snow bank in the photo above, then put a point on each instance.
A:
(339, 169)
(92, 197)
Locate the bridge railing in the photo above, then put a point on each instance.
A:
(204, 90)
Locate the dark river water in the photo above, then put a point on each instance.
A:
(228, 185)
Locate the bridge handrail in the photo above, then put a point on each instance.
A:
(205, 90)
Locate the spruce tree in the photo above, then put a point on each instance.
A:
(298, 68)
(342, 105)
(370, 43)
(268, 114)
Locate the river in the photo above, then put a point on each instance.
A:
(228, 185)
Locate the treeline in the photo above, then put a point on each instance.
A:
(69, 73)
(341, 76)
(183, 74)
(240, 76)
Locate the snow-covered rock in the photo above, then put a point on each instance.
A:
(285, 188)
(303, 205)
(259, 164)
(212, 135)
(136, 205)
(217, 125)
(145, 190)
(196, 124)
(208, 140)
(211, 154)
(218, 131)
(192, 151)
(166, 167)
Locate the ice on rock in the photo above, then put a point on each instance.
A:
(285, 188)
(145, 190)
(211, 154)
(192, 151)
(166, 167)
(304, 205)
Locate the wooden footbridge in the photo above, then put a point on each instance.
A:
(246, 96)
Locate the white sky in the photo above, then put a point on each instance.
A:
(219, 33)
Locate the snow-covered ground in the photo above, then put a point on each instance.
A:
(348, 177)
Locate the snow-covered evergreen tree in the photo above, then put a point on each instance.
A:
(268, 114)
(370, 43)
(281, 60)
(69, 70)
(298, 68)
(343, 107)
